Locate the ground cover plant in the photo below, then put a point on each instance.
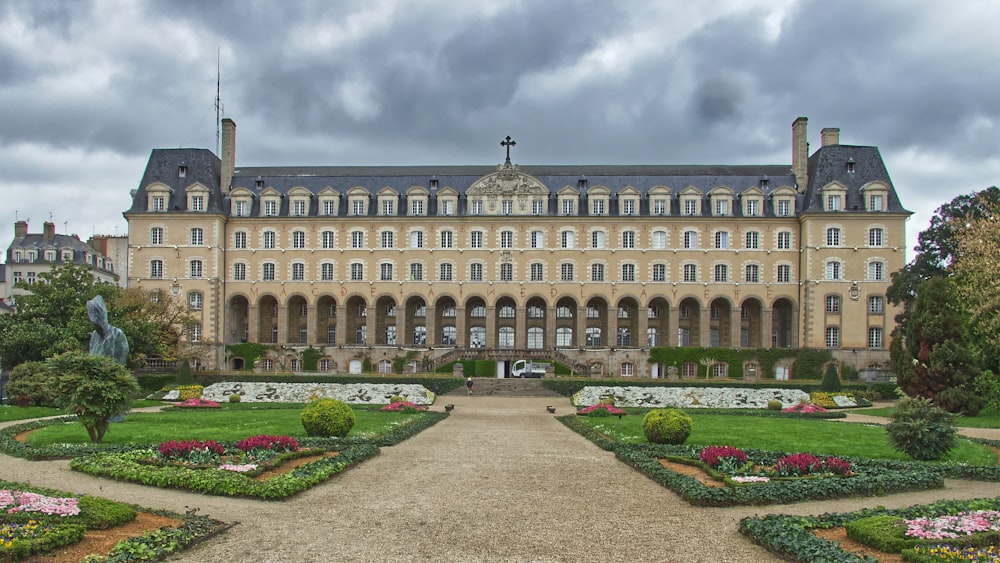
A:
(965, 530)
(35, 521)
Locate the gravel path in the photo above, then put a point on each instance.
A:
(499, 480)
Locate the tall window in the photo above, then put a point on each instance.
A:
(417, 239)
(566, 272)
(357, 207)
(329, 207)
(239, 271)
(416, 207)
(357, 239)
(507, 207)
(537, 239)
(537, 271)
(566, 239)
(240, 239)
(752, 273)
(298, 207)
(784, 273)
(447, 239)
(833, 236)
(690, 272)
(628, 206)
(753, 208)
(298, 239)
(690, 207)
(721, 239)
(628, 239)
(506, 239)
(597, 207)
(832, 337)
(357, 271)
(326, 271)
(388, 207)
(628, 272)
(156, 235)
(753, 240)
(537, 207)
(194, 332)
(659, 207)
(874, 337)
(784, 240)
(270, 207)
(447, 207)
(690, 239)
(597, 239)
(387, 239)
(875, 203)
(327, 239)
(832, 303)
(267, 271)
(659, 272)
(476, 208)
(476, 239)
(597, 272)
(445, 271)
(416, 271)
(476, 271)
(876, 271)
(197, 236)
(298, 271)
(721, 273)
(269, 239)
(506, 272)
(875, 236)
(721, 207)
(385, 272)
(659, 240)
(196, 268)
(784, 208)
(155, 268)
(833, 270)
(159, 203)
(876, 304)
(197, 203)
(833, 203)
(568, 207)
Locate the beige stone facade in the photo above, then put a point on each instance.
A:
(588, 265)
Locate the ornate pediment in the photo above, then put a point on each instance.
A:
(507, 181)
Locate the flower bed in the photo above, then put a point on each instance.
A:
(351, 393)
(37, 521)
(689, 397)
(921, 533)
(837, 400)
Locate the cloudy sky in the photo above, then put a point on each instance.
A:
(89, 87)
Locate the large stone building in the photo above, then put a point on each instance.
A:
(590, 265)
(31, 254)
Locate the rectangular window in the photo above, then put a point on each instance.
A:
(239, 240)
(597, 239)
(537, 272)
(196, 268)
(597, 207)
(417, 239)
(476, 272)
(326, 271)
(388, 207)
(197, 203)
(721, 273)
(270, 208)
(568, 207)
(659, 207)
(659, 240)
(752, 273)
(446, 272)
(476, 207)
(197, 236)
(239, 271)
(659, 272)
(875, 204)
(784, 273)
(416, 272)
(385, 272)
(358, 207)
(447, 207)
(832, 303)
(721, 239)
(597, 272)
(507, 207)
(566, 272)
(357, 239)
(784, 240)
(155, 270)
(875, 237)
(690, 207)
(298, 207)
(832, 337)
(447, 239)
(876, 271)
(267, 271)
(690, 272)
(875, 337)
(833, 270)
(327, 239)
(753, 240)
(298, 271)
(628, 239)
(753, 208)
(537, 239)
(476, 239)
(628, 207)
(506, 272)
(506, 239)
(566, 239)
(298, 239)
(329, 207)
(537, 207)
(784, 208)
(628, 272)
(876, 304)
(722, 207)
(386, 239)
(833, 203)
(159, 203)
(269, 239)
(155, 237)
(357, 271)
(416, 207)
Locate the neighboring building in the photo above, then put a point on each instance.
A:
(116, 249)
(29, 255)
(5, 308)
(590, 264)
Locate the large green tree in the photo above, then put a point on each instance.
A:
(976, 271)
(52, 318)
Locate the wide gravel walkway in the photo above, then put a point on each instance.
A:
(499, 480)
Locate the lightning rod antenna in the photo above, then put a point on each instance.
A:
(218, 101)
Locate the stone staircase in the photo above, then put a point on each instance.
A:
(495, 387)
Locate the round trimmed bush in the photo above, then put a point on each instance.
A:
(774, 405)
(235, 398)
(922, 430)
(666, 426)
(327, 417)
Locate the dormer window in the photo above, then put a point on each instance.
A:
(763, 183)
(834, 202)
(259, 184)
(197, 203)
(850, 166)
(182, 171)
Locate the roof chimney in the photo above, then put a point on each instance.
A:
(49, 231)
(20, 229)
(830, 136)
(228, 153)
(800, 152)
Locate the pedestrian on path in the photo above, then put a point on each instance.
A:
(468, 385)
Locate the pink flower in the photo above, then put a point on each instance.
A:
(714, 456)
(402, 405)
(610, 408)
(804, 407)
(197, 403)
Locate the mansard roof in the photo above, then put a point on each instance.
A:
(830, 164)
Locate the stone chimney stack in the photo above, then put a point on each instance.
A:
(228, 154)
(800, 152)
(20, 229)
(830, 136)
(49, 231)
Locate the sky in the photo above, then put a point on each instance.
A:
(89, 87)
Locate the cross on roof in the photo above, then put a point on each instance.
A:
(508, 143)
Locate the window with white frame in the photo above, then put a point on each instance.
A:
(537, 271)
(722, 207)
(329, 207)
(721, 239)
(197, 236)
(447, 239)
(267, 271)
(751, 273)
(506, 207)
(416, 207)
(597, 207)
(721, 273)
(597, 272)
(298, 239)
(784, 273)
(195, 300)
(833, 236)
(506, 239)
(155, 269)
(159, 203)
(876, 270)
(834, 202)
(388, 207)
(194, 332)
(298, 207)
(690, 239)
(326, 271)
(155, 237)
(240, 240)
(506, 272)
(568, 207)
(239, 271)
(358, 207)
(385, 271)
(357, 239)
(476, 239)
(659, 240)
(270, 207)
(476, 207)
(628, 272)
(298, 271)
(752, 208)
(447, 207)
(196, 268)
(690, 207)
(875, 337)
(566, 272)
(597, 239)
(833, 337)
(476, 271)
(197, 203)
(416, 239)
(659, 206)
(833, 270)
(628, 207)
(690, 272)
(784, 208)
(445, 271)
(876, 304)
(876, 202)
(875, 236)
(566, 239)
(537, 239)
(784, 240)
(357, 271)
(537, 207)
(659, 272)
(628, 239)
(832, 303)
(752, 240)
(387, 239)
(269, 239)
(416, 271)
(327, 239)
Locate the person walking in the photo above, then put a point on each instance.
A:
(468, 385)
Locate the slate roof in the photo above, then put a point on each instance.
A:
(829, 164)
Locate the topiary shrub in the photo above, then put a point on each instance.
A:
(327, 417)
(396, 399)
(35, 381)
(235, 398)
(831, 379)
(960, 400)
(922, 430)
(774, 405)
(184, 375)
(666, 426)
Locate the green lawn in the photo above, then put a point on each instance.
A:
(788, 435)
(986, 419)
(11, 412)
(229, 423)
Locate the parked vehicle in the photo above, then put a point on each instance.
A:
(528, 368)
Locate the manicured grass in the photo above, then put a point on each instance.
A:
(11, 412)
(986, 419)
(788, 435)
(223, 424)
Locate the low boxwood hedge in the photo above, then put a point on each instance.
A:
(790, 537)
